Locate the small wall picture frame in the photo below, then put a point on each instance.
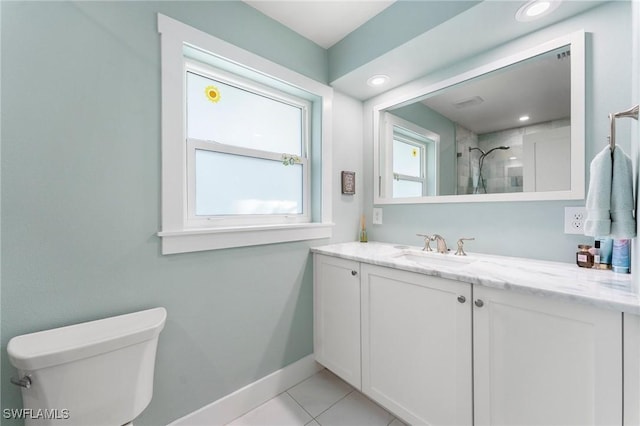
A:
(348, 183)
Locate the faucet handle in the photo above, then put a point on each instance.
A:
(427, 241)
(460, 251)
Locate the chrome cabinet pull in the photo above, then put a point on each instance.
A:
(479, 303)
(462, 299)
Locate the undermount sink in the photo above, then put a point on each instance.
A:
(434, 259)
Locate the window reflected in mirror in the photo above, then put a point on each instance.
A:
(412, 159)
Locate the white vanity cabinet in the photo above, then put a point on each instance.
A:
(444, 352)
(631, 369)
(416, 345)
(540, 361)
(336, 319)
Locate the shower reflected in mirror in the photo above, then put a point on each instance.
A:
(478, 179)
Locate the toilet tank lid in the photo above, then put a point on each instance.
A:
(65, 344)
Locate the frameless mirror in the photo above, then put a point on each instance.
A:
(510, 130)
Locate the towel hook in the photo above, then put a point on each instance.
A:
(631, 113)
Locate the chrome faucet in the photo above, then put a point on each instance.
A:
(441, 243)
(427, 241)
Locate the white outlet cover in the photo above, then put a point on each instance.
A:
(574, 218)
(377, 216)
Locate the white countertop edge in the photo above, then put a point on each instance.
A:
(559, 280)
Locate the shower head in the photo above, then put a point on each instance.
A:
(498, 147)
(471, 148)
(481, 163)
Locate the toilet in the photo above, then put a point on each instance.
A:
(94, 373)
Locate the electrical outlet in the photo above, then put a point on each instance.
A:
(574, 218)
(377, 216)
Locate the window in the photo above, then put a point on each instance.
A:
(245, 147)
(247, 151)
(411, 158)
(409, 164)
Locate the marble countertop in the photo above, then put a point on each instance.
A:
(600, 288)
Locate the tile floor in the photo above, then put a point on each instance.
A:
(321, 400)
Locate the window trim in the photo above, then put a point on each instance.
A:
(177, 235)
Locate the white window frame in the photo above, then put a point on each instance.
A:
(196, 144)
(181, 234)
(421, 147)
(386, 163)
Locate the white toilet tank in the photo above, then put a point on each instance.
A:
(94, 373)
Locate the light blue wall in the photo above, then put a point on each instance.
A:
(81, 198)
(529, 229)
(394, 26)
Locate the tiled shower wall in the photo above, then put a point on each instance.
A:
(466, 139)
(502, 169)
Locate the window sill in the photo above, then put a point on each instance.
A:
(192, 240)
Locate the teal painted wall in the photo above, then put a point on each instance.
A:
(394, 26)
(527, 229)
(81, 198)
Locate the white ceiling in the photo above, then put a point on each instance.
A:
(323, 22)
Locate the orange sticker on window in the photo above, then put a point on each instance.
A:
(213, 94)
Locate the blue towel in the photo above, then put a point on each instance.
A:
(598, 223)
(623, 224)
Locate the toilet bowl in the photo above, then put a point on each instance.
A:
(97, 373)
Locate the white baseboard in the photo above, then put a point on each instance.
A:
(243, 400)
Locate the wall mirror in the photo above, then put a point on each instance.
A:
(511, 130)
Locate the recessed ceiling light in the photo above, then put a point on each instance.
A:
(524, 118)
(535, 9)
(378, 80)
(538, 8)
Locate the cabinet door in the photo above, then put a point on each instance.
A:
(336, 320)
(539, 361)
(631, 369)
(416, 346)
